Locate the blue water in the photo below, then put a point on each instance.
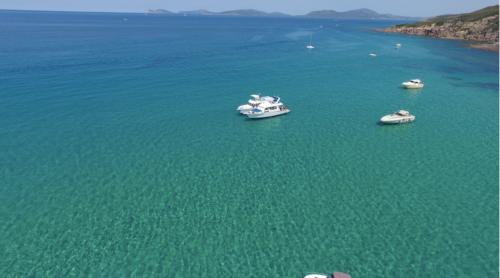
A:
(122, 153)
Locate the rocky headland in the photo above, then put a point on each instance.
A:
(479, 27)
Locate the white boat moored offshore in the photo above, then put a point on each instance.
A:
(253, 102)
(268, 109)
(399, 117)
(317, 275)
(413, 84)
(398, 45)
(373, 54)
(310, 46)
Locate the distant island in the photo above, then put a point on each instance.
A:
(356, 14)
(160, 11)
(353, 14)
(480, 27)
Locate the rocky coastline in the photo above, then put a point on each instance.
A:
(480, 28)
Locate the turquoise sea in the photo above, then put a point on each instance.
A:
(122, 155)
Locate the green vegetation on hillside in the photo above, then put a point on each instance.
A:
(467, 17)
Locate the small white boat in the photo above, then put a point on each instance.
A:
(317, 275)
(373, 54)
(413, 84)
(398, 45)
(322, 275)
(268, 109)
(399, 117)
(310, 46)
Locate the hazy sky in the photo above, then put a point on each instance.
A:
(398, 7)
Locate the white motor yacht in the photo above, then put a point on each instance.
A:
(253, 102)
(373, 54)
(399, 117)
(413, 84)
(268, 109)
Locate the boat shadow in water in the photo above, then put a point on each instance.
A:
(411, 91)
(412, 94)
(265, 123)
(396, 126)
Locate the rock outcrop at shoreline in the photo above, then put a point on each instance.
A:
(480, 27)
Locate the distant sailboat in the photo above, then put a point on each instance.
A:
(310, 46)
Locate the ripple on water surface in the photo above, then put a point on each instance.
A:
(132, 161)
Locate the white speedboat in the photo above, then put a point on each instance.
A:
(334, 275)
(413, 84)
(373, 54)
(400, 117)
(253, 102)
(317, 275)
(268, 109)
(398, 45)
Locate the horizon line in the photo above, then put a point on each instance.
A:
(177, 12)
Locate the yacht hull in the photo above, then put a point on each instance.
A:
(412, 86)
(245, 112)
(390, 120)
(334, 275)
(244, 107)
(267, 114)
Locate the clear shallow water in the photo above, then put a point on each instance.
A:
(121, 152)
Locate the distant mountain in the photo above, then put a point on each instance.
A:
(250, 12)
(242, 12)
(323, 14)
(160, 11)
(354, 14)
(197, 12)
